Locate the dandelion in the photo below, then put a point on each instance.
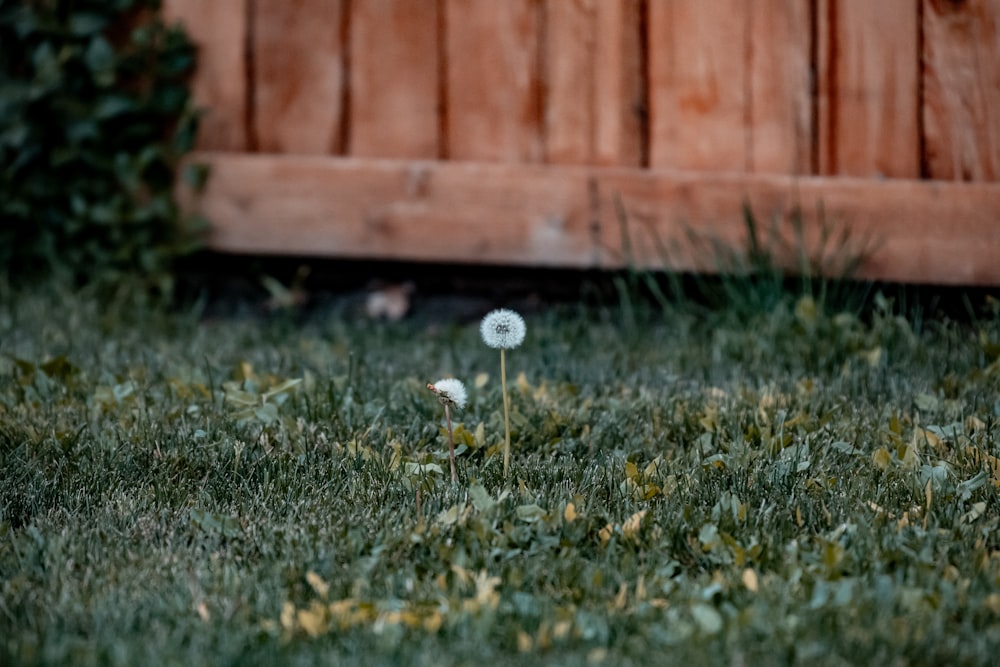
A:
(451, 393)
(503, 329)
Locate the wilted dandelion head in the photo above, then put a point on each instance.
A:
(450, 392)
(502, 329)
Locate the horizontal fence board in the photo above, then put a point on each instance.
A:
(780, 98)
(298, 75)
(593, 91)
(493, 99)
(910, 231)
(394, 79)
(219, 29)
(697, 84)
(441, 211)
(923, 232)
(962, 89)
(868, 68)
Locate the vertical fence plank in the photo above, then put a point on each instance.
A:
(493, 105)
(570, 36)
(620, 103)
(593, 82)
(299, 75)
(394, 79)
(868, 88)
(219, 28)
(780, 131)
(698, 86)
(962, 89)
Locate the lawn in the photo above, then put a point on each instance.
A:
(787, 485)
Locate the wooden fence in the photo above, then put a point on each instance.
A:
(535, 131)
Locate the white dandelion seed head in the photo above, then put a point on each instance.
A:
(503, 329)
(451, 392)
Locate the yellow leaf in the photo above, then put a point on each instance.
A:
(543, 638)
(410, 618)
(631, 471)
(481, 380)
(621, 598)
(710, 419)
(313, 619)
(910, 459)
(449, 516)
(560, 630)
(630, 529)
(974, 424)
(750, 580)
(927, 494)
(524, 641)
(978, 509)
(486, 594)
(396, 458)
(464, 575)
(597, 655)
(479, 438)
(341, 609)
(984, 458)
(881, 458)
(288, 616)
(569, 514)
(923, 435)
(317, 583)
(245, 371)
(879, 509)
(605, 534)
(433, 622)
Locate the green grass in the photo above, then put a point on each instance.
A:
(788, 487)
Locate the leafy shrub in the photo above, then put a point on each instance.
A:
(95, 114)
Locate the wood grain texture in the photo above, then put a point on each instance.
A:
(493, 99)
(869, 65)
(896, 225)
(219, 29)
(421, 210)
(962, 89)
(566, 216)
(698, 97)
(780, 96)
(394, 79)
(593, 82)
(299, 75)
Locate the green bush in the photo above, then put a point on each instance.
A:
(95, 114)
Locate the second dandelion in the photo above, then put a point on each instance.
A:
(503, 329)
(451, 393)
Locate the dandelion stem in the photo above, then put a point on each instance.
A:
(451, 444)
(506, 414)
